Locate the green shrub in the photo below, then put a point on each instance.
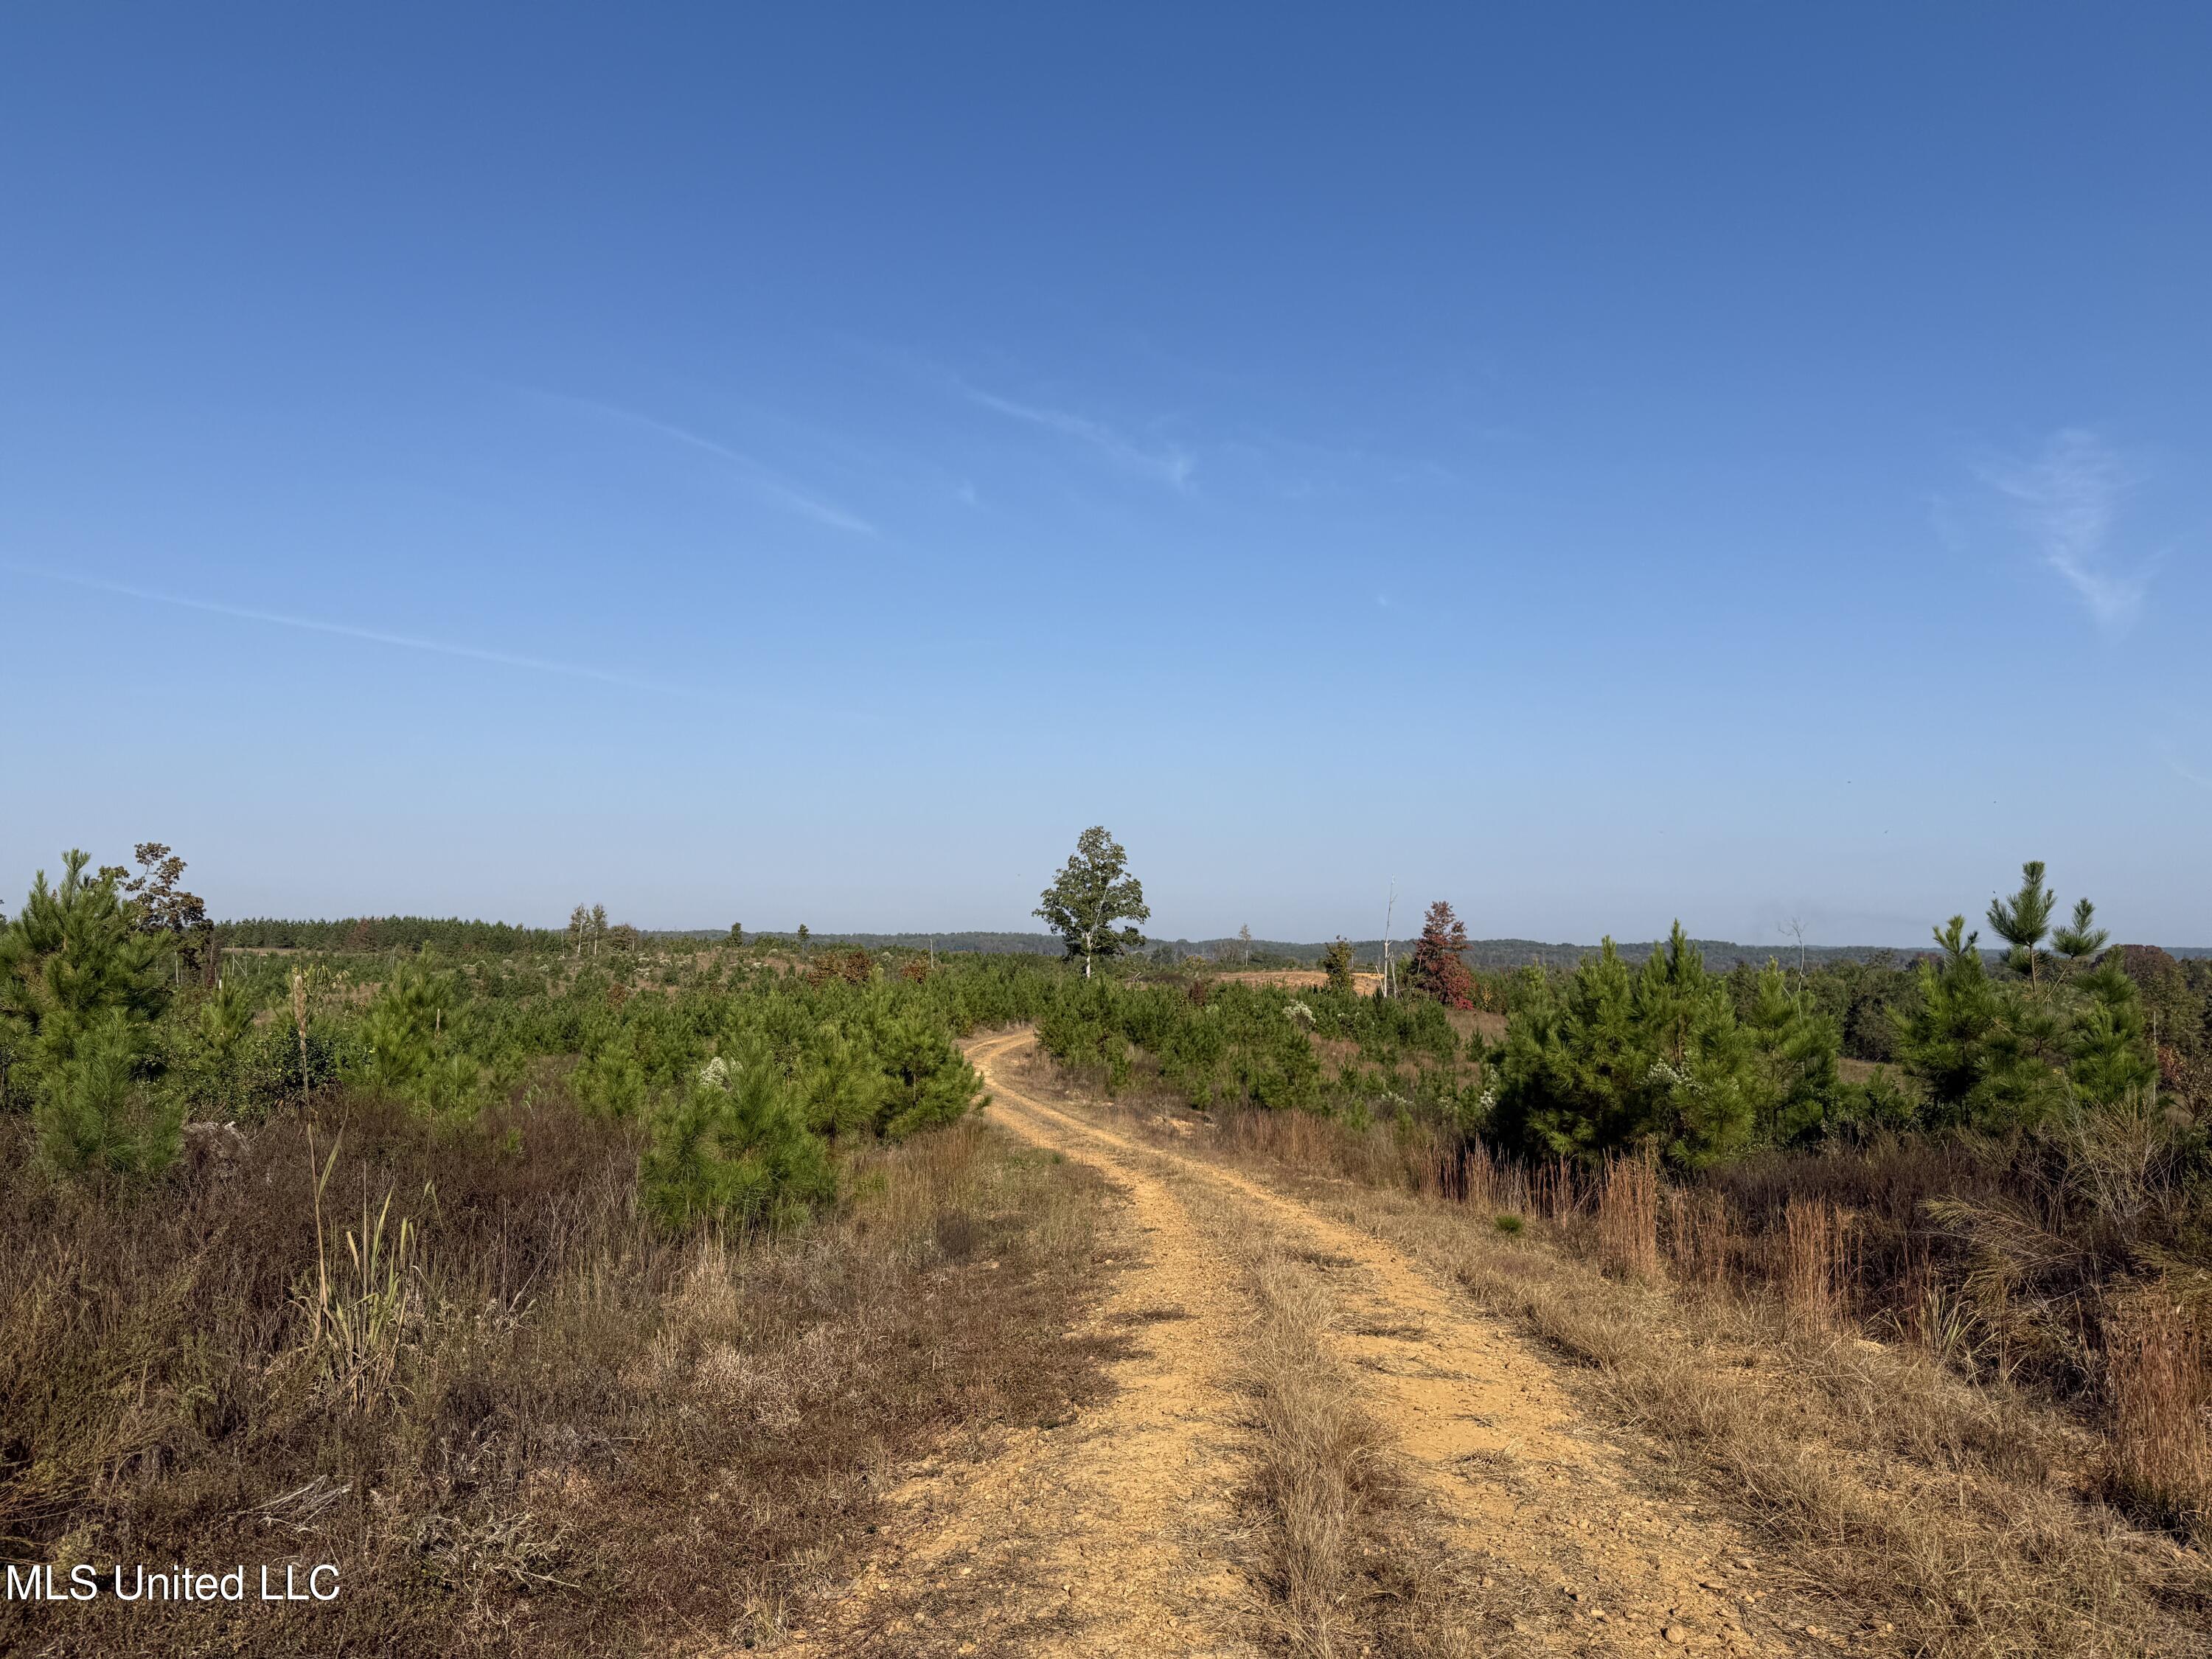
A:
(927, 1080)
(733, 1148)
(1616, 1059)
(411, 1042)
(96, 1109)
(81, 987)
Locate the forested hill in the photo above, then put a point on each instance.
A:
(459, 936)
(1719, 954)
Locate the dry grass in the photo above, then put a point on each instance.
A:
(1628, 1218)
(553, 1429)
(1315, 1466)
(1959, 1518)
(1701, 1235)
(1342, 1558)
(1813, 1267)
(1878, 1476)
(2160, 1457)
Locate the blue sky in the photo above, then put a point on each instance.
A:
(1597, 463)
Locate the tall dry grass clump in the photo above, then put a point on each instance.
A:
(1628, 1218)
(362, 1308)
(1701, 1235)
(2159, 1461)
(1814, 1265)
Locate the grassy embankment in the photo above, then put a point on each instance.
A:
(519, 1416)
(1967, 1507)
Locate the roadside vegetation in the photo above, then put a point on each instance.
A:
(1907, 1258)
(489, 1261)
(567, 1300)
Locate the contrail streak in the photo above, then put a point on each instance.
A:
(346, 630)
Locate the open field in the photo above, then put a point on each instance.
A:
(609, 1297)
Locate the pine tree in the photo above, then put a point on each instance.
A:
(82, 985)
(2109, 1054)
(1091, 893)
(94, 1110)
(408, 1029)
(1617, 1059)
(1575, 1076)
(733, 1148)
(1336, 965)
(2080, 939)
(1706, 1071)
(2023, 920)
(1438, 969)
(1799, 1050)
(842, 1084)
(931, 1081)
(1972, 1044)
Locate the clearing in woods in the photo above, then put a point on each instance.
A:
(1132, 1527)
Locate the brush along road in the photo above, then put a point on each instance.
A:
(1150, 1524)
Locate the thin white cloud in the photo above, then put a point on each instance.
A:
(2067, 498)
(346, 630)
(1173, 466)
(762, 480)
(2178, 767)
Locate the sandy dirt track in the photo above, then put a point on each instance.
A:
(1125, 1530)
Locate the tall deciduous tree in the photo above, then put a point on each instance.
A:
(1437, 966)
(158, 903)
(1092, 893)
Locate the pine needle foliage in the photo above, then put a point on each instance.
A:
(733, 1149)
(1973, 1047)
(1336, 965)
(409, 1032)
(1618, 1060)
(81, 987)
(1439, 967)
(2080, 939)
(2023, 921)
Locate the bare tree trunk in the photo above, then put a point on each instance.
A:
(1388, 915)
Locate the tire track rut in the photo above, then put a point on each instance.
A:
(1118, 1533)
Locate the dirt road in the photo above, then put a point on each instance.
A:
(1130, 1529)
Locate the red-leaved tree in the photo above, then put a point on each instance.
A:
(1438, 968)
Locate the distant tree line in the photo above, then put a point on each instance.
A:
(451, 935)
